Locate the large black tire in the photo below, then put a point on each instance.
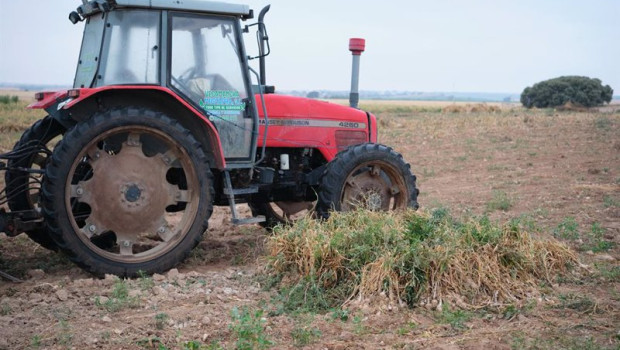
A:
(368, 175)
(133, 174)
(23, 194)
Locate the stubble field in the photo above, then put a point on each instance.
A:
(558, 173)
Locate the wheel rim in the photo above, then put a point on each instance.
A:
(132, 194)
(374, 185)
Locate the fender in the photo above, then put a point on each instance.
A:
(68, 99)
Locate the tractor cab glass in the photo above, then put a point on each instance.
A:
(130, 52)
(129, 44)
(206, 67)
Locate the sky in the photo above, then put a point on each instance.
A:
(411, 45)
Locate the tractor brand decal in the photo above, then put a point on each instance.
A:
(313, 123)
(226, 104)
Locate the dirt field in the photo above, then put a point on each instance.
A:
(557, 172)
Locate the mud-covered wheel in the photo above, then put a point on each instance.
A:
(133, 175)
(23, 189)
(372, 176)
(277, 213)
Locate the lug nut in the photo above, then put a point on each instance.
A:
(79, 191)
(92, 228)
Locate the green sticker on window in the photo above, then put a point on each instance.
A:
(222, 102)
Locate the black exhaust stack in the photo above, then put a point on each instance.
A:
(262, 38)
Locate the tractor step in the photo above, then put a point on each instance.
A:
(231, 192)
(235, 191)
(248, 221)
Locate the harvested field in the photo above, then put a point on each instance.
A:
(555, 175)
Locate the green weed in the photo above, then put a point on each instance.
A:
(152, 343)
(500, 201)
(406, 329)
(160, 320)
(555, 341)
(609, 273)
(119, 299)
(567, 229)
(610, 202)
(595, 240)
(248, 327)
(145, 281)
(603, 123)
(581, 303)
(305, 336)
(64, 335)
(511, 311)
(5, 309)
(196, 345)
(35, 341)
(340, 314)
(358, 325)
(455, 318)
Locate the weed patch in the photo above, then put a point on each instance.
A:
(119, 299)
(249, 328)
(567, 229)
(305, 336)
(500, 201)
(455, 318)
(410, 257)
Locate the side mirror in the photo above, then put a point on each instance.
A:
(75, 17)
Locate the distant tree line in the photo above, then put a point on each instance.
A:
(581, 91)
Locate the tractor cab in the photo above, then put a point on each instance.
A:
(199, 55)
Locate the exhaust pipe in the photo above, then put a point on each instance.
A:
(262, 38)
(356, 46)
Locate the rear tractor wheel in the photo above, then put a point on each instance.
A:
(371, 176)
(128, 190)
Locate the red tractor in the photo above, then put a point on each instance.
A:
(163, 122)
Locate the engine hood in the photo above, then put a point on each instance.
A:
(291, 107)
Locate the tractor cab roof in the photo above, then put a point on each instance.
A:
(89, 8)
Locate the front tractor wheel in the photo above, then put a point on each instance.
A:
(370, 176)
(128, 190)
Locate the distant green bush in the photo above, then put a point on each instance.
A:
(6, 99)
(580, 91)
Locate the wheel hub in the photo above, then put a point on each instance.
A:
(373, 186)
(132, 192)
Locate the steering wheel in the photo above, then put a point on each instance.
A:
(189, 73)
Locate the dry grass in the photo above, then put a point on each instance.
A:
(417, 258)
(14, 119)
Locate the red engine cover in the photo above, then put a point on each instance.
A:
(302, 122)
